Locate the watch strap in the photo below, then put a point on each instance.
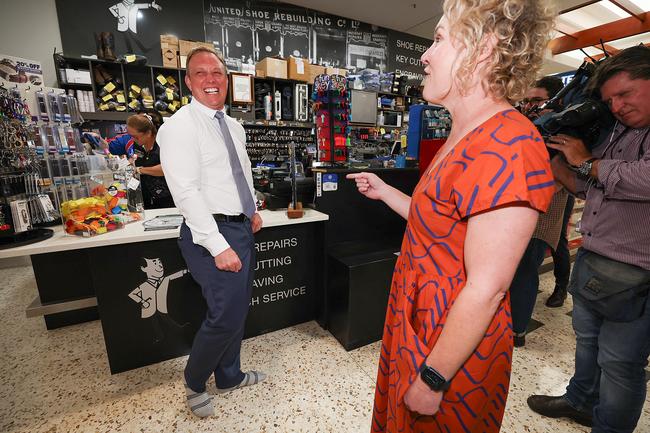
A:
(433, 379)
(585, 168)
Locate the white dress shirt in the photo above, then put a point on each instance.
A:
(195, 161)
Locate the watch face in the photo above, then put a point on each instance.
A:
(433, 379)
(585, 168)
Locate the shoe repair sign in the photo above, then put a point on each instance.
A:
(18, 70)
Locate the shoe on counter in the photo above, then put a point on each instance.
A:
(557, 298)
(558, 407)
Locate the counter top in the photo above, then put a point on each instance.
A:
(135, 232)
(360, 169)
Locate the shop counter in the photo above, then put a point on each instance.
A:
(362, 239)
(147, 320)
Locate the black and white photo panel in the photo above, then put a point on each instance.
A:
(329, 46)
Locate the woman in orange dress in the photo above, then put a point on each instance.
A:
(447, 346)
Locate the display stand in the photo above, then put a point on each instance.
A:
(331, 112)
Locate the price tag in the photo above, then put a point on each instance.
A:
(107, 98)
(161, 80)
(120, 98)
(136, 89)
(133, 183)
(171, 80)
(170, 94)
(130, 58)
(109, 87)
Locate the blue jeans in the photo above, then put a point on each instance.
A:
(610, 366)
(561, 258)
(525, 283)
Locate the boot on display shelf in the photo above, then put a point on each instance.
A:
(99, 46)
(108, 44)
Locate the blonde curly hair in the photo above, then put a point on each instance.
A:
(522, 29)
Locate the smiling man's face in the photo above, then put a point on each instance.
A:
(207, 80)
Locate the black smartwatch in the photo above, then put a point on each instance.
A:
(433, 379)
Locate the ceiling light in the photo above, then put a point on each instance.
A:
(641, 4)
(614, 9)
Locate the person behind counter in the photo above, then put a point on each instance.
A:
(146, 157)
(140, 146)
(446, 353)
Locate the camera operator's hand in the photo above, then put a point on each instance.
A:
(574, 149)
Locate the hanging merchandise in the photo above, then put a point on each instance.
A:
(19, 173)
(277, 107)
(268, 107)
(331, 114)
(43, 114)
(301, 107)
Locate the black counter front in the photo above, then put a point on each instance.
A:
(362, 238)
(287, 290)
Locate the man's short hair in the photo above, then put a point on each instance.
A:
(634, 60)
(202, 49)
(551, 84)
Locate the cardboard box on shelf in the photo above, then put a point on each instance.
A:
(184, 48)
(78, 76)
(314, 71)
(336, 71)
(169, 40)
(272, 67)
(169, 50)
(169, 55)
(298, 69)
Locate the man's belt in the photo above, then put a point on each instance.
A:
(221, 218)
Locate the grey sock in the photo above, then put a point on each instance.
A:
(250, 378)
(200, 403)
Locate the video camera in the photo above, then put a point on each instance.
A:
(575, 113)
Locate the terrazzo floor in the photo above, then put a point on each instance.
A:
(59, 382)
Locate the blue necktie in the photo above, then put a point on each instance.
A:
(237, 171)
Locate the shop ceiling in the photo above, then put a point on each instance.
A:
(622, 23)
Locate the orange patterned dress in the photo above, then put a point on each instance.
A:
(501, 162)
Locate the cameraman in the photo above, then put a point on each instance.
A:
(545, 88)
(611, 275)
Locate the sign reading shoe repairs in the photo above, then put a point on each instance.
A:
(19, 70)
(151, 307)
(284, 284)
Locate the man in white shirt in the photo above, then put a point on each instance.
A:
(203, 155)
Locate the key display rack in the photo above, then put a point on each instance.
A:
(331, 117)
